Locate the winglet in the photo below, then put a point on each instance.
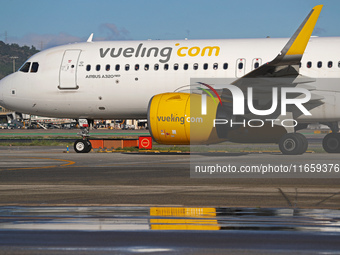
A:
(297, 44)
(287, 62)
(304, 32)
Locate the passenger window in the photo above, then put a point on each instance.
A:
(215, 66)
(225, 66)
(319, 64)
(88, 68)
(98, 67)
(256, 65)
(136, 67)
(146, 67)
(108, 67)
(240, 66)
(156, 67)
(330, 64)
(309, 64)
(127, 67)
(186, 66)
(26, 67)
(117, 67)
(195, 66)
(166, 67)
(205, 66)
(175, 67)
(339, 64)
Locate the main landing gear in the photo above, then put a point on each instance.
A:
(331, 142)
(293, 144)
(296, 144)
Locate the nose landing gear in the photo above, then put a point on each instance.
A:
(83, 145)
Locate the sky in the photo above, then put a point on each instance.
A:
(48, 23)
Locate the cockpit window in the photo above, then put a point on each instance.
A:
(26, 67)
(35, 67)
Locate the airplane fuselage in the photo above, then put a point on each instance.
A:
(105, 80)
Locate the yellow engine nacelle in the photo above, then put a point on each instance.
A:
(176, 118)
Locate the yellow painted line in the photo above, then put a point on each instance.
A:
(140, 163)
(69, 162)
(322, 131)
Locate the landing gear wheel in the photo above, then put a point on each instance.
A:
(304, 142)
(331, 143)
(293, 144)
(82, 146)
(90, 146)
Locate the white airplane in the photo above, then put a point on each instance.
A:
(266, 93)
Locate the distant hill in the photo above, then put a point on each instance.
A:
(13, 50)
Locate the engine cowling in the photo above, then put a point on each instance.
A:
(176, 118)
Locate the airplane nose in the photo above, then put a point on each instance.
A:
(1, 94)
(4, 83)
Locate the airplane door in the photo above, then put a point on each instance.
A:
(68, 70)
(240, 67)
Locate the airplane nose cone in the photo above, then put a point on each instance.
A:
(1, 94)
(4, 84)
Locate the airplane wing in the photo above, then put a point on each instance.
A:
(283, 71)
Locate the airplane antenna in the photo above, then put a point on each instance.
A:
(90, 38)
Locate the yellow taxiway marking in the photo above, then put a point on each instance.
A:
(137, 164)
(69, 162)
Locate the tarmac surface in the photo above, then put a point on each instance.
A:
(54, 202)
(47, 175)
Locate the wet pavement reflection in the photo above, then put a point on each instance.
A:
(133, 218)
